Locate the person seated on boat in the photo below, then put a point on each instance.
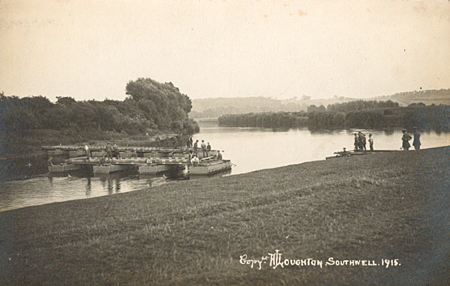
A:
(195, 160)
(219, 156)
(102, 160)
(191, 154)
(345, 153)
(49, 161)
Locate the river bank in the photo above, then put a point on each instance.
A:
(370, 210)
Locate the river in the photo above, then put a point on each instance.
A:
(249, 149)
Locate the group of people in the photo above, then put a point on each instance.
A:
(406, 138)
(111, 151)
(205, 148)
(361, 142)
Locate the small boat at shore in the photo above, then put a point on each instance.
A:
(345, 153)
(209, 168)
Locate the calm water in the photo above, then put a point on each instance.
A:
(253, 149)
(249, 149)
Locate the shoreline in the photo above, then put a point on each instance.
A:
(383, 206)
(228, 175)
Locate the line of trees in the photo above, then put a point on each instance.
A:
(373, 115)
(150, 107)
(265, 120)
(361, 105)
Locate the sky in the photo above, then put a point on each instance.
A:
(90, 49)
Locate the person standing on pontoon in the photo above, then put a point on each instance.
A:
(196, 148)
(208, 149)
(205, 153)
(88, 152)
(108, 150)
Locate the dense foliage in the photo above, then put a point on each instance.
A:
(355, 114)
(360, 105)
(265, 120)
(151, 106)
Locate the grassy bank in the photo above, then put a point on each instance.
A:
(371, 207)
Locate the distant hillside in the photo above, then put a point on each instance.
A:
(216, 107)
(428, 97)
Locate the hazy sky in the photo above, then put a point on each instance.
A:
(90, 49)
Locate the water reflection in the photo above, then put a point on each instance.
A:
(88, 186)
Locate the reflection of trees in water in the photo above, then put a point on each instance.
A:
(110, 186)
(22, 167)
(117, 185)
(50, 180)
(88, 186)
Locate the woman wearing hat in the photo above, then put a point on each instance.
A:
(405, 139)
(416, 141)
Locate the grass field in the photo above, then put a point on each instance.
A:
(378, 207)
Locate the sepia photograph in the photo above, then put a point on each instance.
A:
(225, 142)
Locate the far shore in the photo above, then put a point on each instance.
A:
(384, 216)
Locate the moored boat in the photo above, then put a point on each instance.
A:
(209, 168)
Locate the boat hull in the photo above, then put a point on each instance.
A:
(210, 168)
(152, 169)
(111, 168)
(63, 168)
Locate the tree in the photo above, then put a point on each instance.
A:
(161, 103)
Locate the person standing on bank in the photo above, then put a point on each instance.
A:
(362, 141)
(416, 141)
(370, 142)
(405, 140)
(356, 142)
